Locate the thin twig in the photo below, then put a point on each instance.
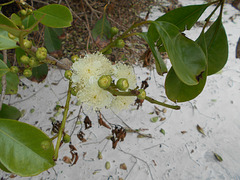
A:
(4, 81)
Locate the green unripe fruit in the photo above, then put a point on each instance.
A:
(68, 74)
(120, 43)
(23, 12)
(27, 44)
(109, 51)
(27, 73)
(33, 62)
(122, 84)
(107, 165)
(114, 31)
(45, 144)
(74, 91)
(66, 138)
(14, 69)
(142, 94)
(24, 59)
(11, 36)
(29, 11)
(41, 53)
(104, 81)
(74, 58)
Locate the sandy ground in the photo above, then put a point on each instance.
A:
(171, 156)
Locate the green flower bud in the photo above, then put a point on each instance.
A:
(45, 144)
(41, 53)
(27, 44)
(105, 81)
(114, 31)
(29, 11)
(142, 94)
(11, 36)
(33, 62)
(68, 74)
(74, 91)
(14, 69)
(27, 73)
(109, 51)
(107, 165)
(74, 58)
(120, 43)
(66, 138)
(23, 12)
(24, 59)
(122, 84)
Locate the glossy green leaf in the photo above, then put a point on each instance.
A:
(29, 21)
(9, 112)
(160, 65)
(180, 50)
(22, 150)
(176, 90)
(51, 40)
(3, 68)
(12, 83)
(217, 46)
(102, 29)
(6, 21)
(183, 17)
(2, 167)
(16, 19)
(39, 73)
(6, 42)
(54, 15)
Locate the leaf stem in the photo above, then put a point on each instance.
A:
(7, 3)
(60, 133)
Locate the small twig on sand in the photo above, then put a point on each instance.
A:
(4, 81)
(138, 159)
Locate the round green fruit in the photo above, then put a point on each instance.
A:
(42, 49)
(27, 73)
(66, 138)
(114, 31)
(27, 44)
(24, 59)
(23, 12)
(41, 53)
(122, 84)
(74, 91)
(104, 81)
(74, 58)
(68, 74)
(142, 94)
(120, 43)
(14, 69)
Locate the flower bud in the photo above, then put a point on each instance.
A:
(27, 73)
(142, 94)
(33, 62)
(114, 31)
(66, 138)
(74, 58)
(27, 44)
(74, 91)
(24, 59)
(23, 12)
(122, 84)
(14, 69)
(105, 81)
(41, 53)
(68, 74)
(120, 43)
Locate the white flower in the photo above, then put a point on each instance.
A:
(122, 102)
(125, 71)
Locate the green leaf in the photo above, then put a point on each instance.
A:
(3, 68)
(102, 29)
(217, 45)
(187, 58)
(218, 157)
(12, 83)
(22, 150)
(39, 73)
(6, 21)
(29, 21)
(6, 42)
(9, 112)
(162, 131)
(176, 90)
(160, 65)
(183, 17)
(54, 15)
(2, 167)
(51, 40)
(16, 19)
